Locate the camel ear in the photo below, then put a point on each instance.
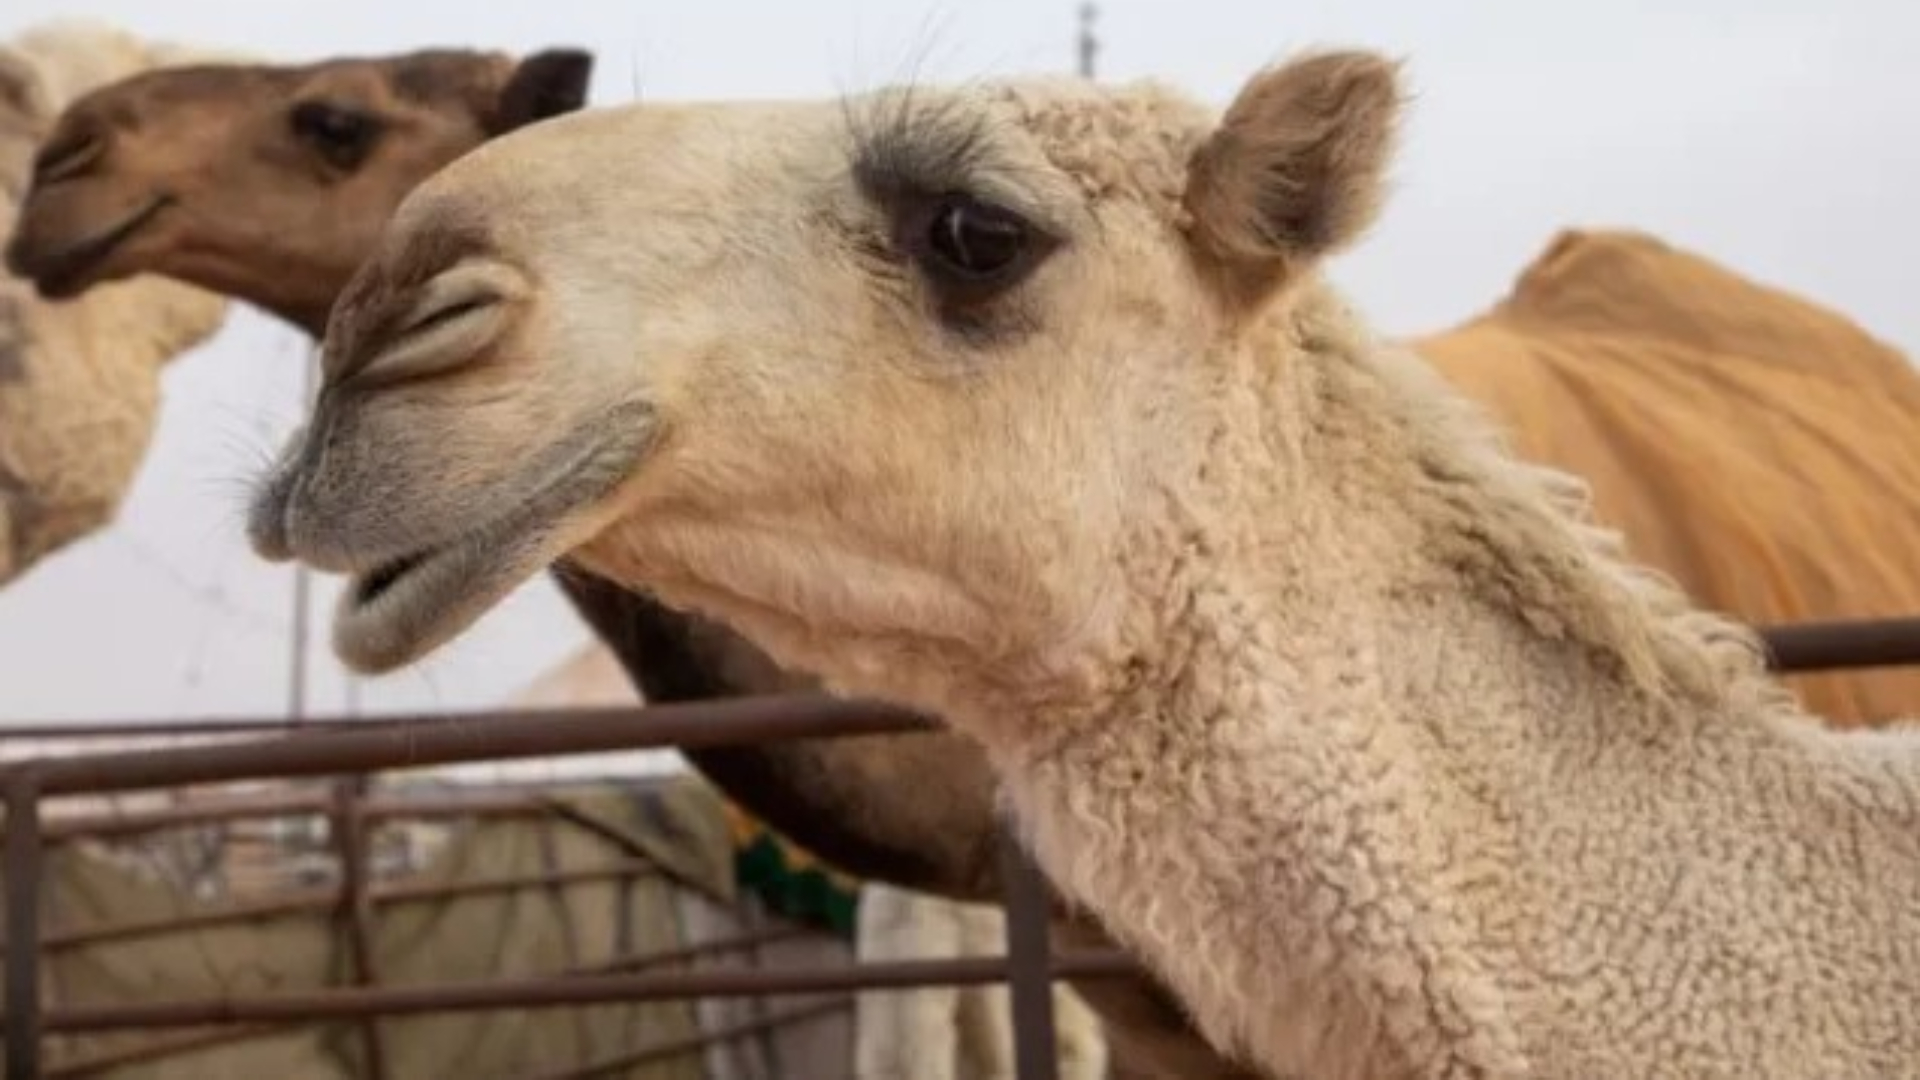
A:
(1296, 168)
(546, 84)
(21, 91)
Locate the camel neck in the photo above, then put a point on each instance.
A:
(1388, 682)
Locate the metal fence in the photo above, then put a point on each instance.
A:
(351, 749)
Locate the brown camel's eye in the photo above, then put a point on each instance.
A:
(342, 136)
(67, 155)
(976, 242)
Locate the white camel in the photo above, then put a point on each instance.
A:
(1025, 404)
(79, 381)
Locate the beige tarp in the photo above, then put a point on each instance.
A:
(1762, 450)
(529, 932)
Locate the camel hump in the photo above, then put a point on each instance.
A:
(1621, 281)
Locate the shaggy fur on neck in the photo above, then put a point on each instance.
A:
(1517, 810)
(1526, 535)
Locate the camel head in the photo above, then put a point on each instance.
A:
(871, 381)
(265, 182)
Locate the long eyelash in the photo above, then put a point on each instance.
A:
(903, 144)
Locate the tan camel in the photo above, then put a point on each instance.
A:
(214, 143)
(1759, 449)
(1025, 404)
(79, 383)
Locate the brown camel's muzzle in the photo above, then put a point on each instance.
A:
(58, 246)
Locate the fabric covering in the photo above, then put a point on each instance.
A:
(788, 878)
(953, 1032)
(677, 826)
(1760, 449)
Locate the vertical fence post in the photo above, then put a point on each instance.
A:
(1030, 961)
(356, 907)
(22, 889)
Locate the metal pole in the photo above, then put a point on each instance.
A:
(23, 926)
(302, 587)
(297, 670)
(356, 909)
(1089, 45)
(456, 738)
(1843, 643)
(1029, 962)
(559, 991)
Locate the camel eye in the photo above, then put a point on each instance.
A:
(342, 136)
(976, 242)
(67, 155)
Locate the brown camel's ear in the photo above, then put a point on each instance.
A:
(548, 83)
(1295, 170)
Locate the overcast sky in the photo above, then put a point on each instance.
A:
(1780, 137)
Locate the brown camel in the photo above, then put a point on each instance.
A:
(1026, 404)
(271, 183)
(210, 173)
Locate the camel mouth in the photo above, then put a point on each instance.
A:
(68, 271)
(399, 609)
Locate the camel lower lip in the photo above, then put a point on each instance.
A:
(65, 273)
(392, 582)
(369, 587)
(404, 607)
(399, 610)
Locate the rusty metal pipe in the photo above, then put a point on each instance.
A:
(356, 911)
(490, 737)
(555, 992)
(22, 886)
(1829, 646)
(1802, 646)
(444, 739)
(1030, 1000)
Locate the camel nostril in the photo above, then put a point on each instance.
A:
(267, 529)
(67, 156)
(446, 313)
(446, 324)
